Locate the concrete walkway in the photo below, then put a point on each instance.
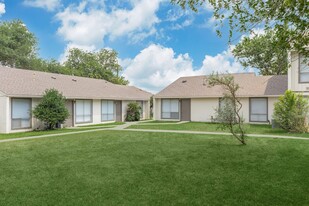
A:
(128, 124)
(215, 133)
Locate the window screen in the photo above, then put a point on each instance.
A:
(258, 110)
(107, 110)
(303, 69)
(21, 117)
(83, 111)
(170, 109)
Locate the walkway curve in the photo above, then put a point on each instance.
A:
(128, 124)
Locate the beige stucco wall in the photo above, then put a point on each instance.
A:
(203, 109)
(4, 107)
(293, 75)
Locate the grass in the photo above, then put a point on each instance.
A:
(35, 133)
(158, 122)
(104, 124)
(56, 131)
(135, 168)
(213, 127)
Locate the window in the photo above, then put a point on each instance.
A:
(258, 110)
(21, 117)
(83, 111)
(170, 109)
(107, 110)
(141, 104)
(303, 69)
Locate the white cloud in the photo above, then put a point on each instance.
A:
(156, 66)
(49, 5)
(87, 25)
(2, 9)
(222, 63)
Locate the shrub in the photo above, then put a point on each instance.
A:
(133, 112)
(51, 110)
(291, 112)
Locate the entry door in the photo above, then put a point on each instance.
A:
(118, 105)
(185, 114)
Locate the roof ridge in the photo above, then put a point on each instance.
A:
(51, 73)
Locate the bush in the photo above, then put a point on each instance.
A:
(51, 110)
(133, 112)
(291, 112)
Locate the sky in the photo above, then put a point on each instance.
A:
(157, 42)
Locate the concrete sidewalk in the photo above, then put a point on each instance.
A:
(128, 124)
(214, 133)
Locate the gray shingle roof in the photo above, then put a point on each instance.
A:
(250, 86)
(29, 83)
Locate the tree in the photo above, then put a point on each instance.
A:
(17, 44)
(263, 52)
(291, 112)
(287, 18)
(229, 115)
(99, 65)
(133, 112)
(51, 110)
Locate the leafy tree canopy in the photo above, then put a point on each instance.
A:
(17, 44)
(263, 52)
(100, 65)
(287, 18)
(18, 48)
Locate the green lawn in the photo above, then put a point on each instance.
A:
(213, 127)
(57, 131)
(135, 168)
(36, 133)
(104, 124)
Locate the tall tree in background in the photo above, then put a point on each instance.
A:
(100, 65)
(18, 48)
(263, 52)
(287, 18)
(18, 45)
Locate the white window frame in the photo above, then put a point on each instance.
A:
(302, 69)
(21, 119)
(91, 111)
(250, 109)
(171, 113)
(105, 111)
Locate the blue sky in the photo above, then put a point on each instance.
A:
(157, 42)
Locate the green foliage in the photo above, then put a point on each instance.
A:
(287, 18)
(18, 48)
(151, 107)
(263, 52)
(133, 112)
(17, 45)
(291, 112)
(51, 110)
(229, 114)
(100, 65)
